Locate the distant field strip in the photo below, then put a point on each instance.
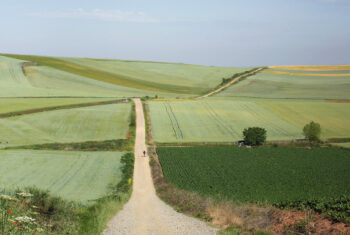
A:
(214, 121)
(313, 68)
(105, 122)
(277, 86)
(308, 74)
(109, 77)
(79, 176)
(68, 106)
(344, 145)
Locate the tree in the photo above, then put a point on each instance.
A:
(312, 131)
(254, 136)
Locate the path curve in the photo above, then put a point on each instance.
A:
(145, 213)
(230, 83)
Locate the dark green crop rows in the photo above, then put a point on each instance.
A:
(286, 177)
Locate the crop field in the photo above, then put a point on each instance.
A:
(152, 76)
(295, 86)
(224, 120)
(42, 81)
(79, 176)
(105, 122)
(194, 76)
(262, 175)
(334, 118)
(8, 105)
(215, 121)
(314, 68)
(344, 145)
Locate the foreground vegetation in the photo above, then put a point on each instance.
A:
(285, 177)
(34, 211)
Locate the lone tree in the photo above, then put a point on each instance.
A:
(254, 136)
(312, 131)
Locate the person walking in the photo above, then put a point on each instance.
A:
(144, 153)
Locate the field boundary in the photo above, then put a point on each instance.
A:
(244, 75)
(60, 107)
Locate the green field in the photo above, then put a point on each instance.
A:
(197, 78)
(224, 120)
(43, 81)
(8, 105)
(151, 76)
(276, 86)
(79, 176)
(277, 176)
(334, 118)
(344, 145)
(103, 122)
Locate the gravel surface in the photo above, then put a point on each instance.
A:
(145, 213)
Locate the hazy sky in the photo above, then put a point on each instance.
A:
(216, 32)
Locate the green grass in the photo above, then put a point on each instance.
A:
(334, 118)
(159, 77)
(78, 176)
(43, 81)
(286, 177)
(344, 145)
(198, 78)
(264, 85)
(95, 123)
(215, 121)
(8, 105)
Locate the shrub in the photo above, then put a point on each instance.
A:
(312, 131)
(254, 136)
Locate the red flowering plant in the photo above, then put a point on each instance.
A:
(16, 214)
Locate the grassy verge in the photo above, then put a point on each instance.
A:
(94, 218)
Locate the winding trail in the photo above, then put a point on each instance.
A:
(145, 213)
(230, 83)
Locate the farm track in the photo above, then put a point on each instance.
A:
(69, 106)
(145, 213)
(230, 83)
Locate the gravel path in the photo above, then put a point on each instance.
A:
(228, 84)
(145, 213)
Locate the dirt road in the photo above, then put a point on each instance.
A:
(229, 84)
(145, 213)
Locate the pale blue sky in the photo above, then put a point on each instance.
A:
(221, 32)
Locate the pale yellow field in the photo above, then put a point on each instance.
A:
(308, 74)
(313, 67)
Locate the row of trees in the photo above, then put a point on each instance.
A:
(257, 136)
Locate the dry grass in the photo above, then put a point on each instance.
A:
(313, 67)
(223, 215)
(309, 74)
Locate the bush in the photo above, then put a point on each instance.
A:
(312, 131)
(254, 136)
